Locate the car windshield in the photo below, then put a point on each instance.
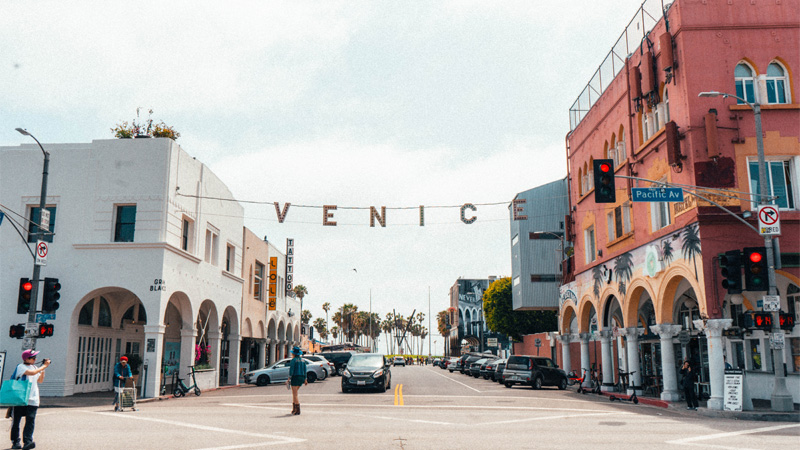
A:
(366, 361)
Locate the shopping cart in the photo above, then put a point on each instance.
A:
(128, 396)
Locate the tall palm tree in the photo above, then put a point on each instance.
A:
(322, 328)
(666, 249)
(348, 311)
(335, 332)
(300, 291)
(326, 307)
(386, 328)
(441, 324)
(691, 245)
(423, 333)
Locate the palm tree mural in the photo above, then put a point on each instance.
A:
(597, 276)
(691, 245)
(623, 269)
(666, 251)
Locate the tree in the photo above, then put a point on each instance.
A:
(326, 307)
(441, 323)
(335, 332)
(500, 316)
(305, 316)
(322, 328)
(300, 291)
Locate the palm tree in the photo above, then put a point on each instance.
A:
(322, 328)
(335, 332)
(691, 245)
(300, 291)
(423, 333)
(348, 311)
(441, 324)
(305, 316)
(386, 327)
(326, 307)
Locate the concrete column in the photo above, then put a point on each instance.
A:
(585, 364)
(152, 359)
(607, 359)
(234, 350)
(214, 340)
(262, 353)
(716, 360)
(273, 351)
(632, 339)
(668, 370)
(281, 349)
(566, 361)
(188, 337)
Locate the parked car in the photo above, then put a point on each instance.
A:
(455, 365)
(327, 366)
(367, 371)
(475, 367)
(487, 369)
(466, 363)
(279, 372)
(500, 365)
(337, 358)
(437, 362)
(399, 361)
(534, 371)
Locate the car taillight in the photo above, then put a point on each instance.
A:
(528, 379)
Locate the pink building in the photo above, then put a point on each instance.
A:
(647, 280)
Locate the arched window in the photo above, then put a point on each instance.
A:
(622, 153)
(777, 84)
(104, 314)
(745, 83)
(85, 316)
(580, 181)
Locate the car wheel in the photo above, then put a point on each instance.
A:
(311, 377)
(262, 380)
(563, 384)
(389, 386)
(382, 388)
(537, 383)
(508, 385)
(324, 373)
(345, 390)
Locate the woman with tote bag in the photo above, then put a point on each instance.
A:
(34, 376)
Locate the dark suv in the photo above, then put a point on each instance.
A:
(534, 371)
(337, 358)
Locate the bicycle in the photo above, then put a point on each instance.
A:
(623, 378)
(182, 389)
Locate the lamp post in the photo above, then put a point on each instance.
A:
(30, 341)
(781, 399)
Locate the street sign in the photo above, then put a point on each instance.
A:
(772, 303)
(769, 221)
(45, 222)
(537, 342)
(657, 194)
(491, 342)
(776, 341)
(41, 253)
(734, 383)
(684, 337)
(43, 318)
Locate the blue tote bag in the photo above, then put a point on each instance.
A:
(14, 392)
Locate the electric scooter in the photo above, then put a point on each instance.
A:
(182, 389)
(633, 398)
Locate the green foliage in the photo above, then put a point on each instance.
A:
(125, 130)
(501, 318)
(134, 362)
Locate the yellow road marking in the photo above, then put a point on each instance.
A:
(398, 395)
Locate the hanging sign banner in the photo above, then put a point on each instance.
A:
(289, 265)
(273, 282)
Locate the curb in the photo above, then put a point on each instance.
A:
(167, 397)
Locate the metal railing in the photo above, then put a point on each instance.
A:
(646, 17)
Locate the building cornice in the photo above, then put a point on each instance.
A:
(139, 246)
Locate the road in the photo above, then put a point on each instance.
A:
(427, 408)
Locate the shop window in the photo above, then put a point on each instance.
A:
(687, 314)
(619, 222)
(85, 316)
(660, 215)
(124, 223)
(745, 83)
(781, 182)
(104, 314)
(777, 83)
(187, 234)
(230, 258)
(737, 355)
(33, 226)
(589, 244)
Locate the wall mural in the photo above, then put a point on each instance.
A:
(650, 260)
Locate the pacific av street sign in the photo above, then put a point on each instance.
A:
(657, 194)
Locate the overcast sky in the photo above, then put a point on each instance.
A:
(347, 103)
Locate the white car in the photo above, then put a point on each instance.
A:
(279, 373)
(327, 366)
(399, 361)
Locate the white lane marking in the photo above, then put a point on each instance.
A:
(509, 396)
(431, 421)
(691, 440)
(456, 381)
(565, 416)
(348, 414)
(278, 439)
(364, 405)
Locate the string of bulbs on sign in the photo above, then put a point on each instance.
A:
(377, 215)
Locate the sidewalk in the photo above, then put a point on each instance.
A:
(92, 399)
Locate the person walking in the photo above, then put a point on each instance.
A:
(122, 371)
(34, 375)
(689, 379)
(297, 378)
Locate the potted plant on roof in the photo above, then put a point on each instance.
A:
(144, 130)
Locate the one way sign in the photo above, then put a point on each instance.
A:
(769, 223)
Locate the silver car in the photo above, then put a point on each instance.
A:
(279, 372)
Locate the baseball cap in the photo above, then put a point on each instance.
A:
(29, 354)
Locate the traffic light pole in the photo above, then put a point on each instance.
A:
(30, 340)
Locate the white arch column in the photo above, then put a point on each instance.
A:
(234, 350)
(152, 359)
(716, 360)
(262, 353)
(273, 350)
(281, 349)
(632, 341)
(214, 340)
(566, 359)
(188, 337)
(607, 360)
(668, 371)
(586, 366)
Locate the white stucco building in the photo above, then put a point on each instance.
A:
(148, 263)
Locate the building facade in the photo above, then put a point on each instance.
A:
(150, 265)
(647, 281)
(469, 331)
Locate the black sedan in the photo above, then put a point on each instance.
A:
(367, 371)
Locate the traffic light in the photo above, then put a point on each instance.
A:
(755, 269)
(50, 295)
(757, 320)
(46, 329)
(604, 190)
(17, 331)
(731, 265)
(787, 321)
(24, 300)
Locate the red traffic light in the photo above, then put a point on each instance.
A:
(755, 257)
(27, 286)
(605, 168)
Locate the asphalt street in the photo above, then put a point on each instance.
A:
(426, 408)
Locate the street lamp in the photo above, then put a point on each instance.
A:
(30, 341)
(781, 399)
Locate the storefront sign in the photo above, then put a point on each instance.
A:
(289, 265)
(491, 342)
(273, 282)
(734, 383)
